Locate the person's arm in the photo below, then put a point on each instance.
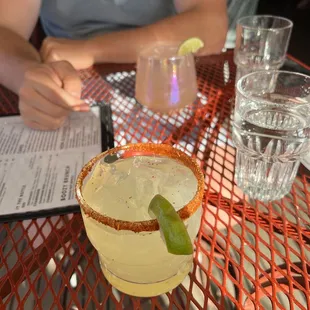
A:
(206, 19)
(16, 53)
(47, 92)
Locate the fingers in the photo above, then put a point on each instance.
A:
(38, 102)
(46, 97)
(37, 119)
(69, 77)
(47, 82)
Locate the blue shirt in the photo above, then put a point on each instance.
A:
(77, 19)
(83, 18)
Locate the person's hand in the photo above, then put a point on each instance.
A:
(73, 51)
(48, 94)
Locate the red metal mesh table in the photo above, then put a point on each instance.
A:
(249, 255)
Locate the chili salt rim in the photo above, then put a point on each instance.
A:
(150, 225)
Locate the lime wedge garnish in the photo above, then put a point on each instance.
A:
(172, 227)
(191, 45)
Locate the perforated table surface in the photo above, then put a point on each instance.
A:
(249, 255)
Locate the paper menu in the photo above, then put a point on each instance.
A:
(38, 169)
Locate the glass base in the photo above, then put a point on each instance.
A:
(265, 181)
(264, 195)
(145, 290)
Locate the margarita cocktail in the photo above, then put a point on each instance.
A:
(114, 191)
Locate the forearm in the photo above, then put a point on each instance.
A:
(124, 46)
(16, 56)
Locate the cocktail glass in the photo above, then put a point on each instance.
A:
(132, 254)
(164, 80)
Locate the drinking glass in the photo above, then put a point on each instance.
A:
(132, 253)
(270, 131)
(261, 43)
(165, 81)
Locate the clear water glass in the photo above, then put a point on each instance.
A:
(164, 80)
(261, 43)
(271, 130)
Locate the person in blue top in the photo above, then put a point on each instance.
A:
(83, 32)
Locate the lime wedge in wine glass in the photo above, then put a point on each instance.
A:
(172, 227)
(191, 45)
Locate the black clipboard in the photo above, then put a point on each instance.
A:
(107, 142)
